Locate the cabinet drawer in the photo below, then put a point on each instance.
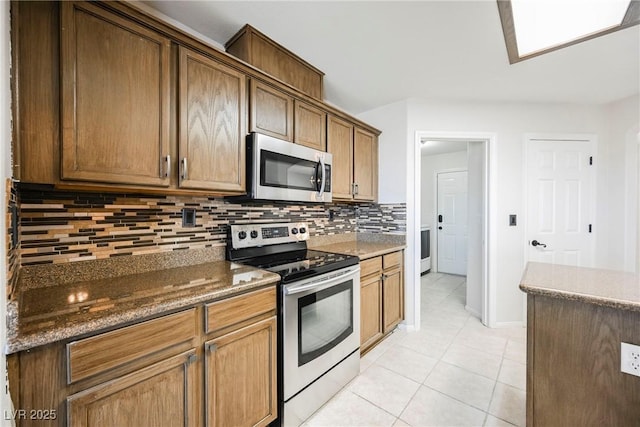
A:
(370, 266)
(228, 312)
(392, 260)
(100, 353)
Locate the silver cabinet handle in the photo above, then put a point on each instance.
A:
(184, 168)
(167, 170)
(353, 188)
(357, 189)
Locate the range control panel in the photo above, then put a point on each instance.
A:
(252, 235)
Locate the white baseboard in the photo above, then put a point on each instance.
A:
(473, 312)
(518, 324)
(406, 327)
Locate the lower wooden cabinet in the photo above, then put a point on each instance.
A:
(381, 298)
(240, 373)
(163, 394)
(159, 372)
(370, 311)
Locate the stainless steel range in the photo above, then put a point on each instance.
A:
(318, 313)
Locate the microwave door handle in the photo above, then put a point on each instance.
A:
(321, 166)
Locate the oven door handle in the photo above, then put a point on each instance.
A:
(321, 284)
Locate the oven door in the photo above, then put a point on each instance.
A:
(286, 171)
(321, 325)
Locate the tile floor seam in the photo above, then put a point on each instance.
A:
(460, 401)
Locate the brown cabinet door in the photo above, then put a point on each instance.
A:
(365, 164)
(240, 377)
(340, 145)
(163, 394)
(115, 98)
(271, 111)
(212, 124)
(392, 299)
(310, 126)
(370, 311)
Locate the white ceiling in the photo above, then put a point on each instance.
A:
(377, 52)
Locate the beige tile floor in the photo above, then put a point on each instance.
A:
(452, 372)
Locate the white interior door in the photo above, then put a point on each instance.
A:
(452, 222)
(560, 202)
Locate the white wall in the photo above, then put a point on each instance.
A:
(510, 122)
(621, 185)
(476, 173)
(430, 166)
(5, 172)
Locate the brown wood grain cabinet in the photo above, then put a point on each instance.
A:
(310, 127)
(271, 111)
(160, 372)
(241, 376)
(573, 361)
(355, 160)
(381, 298)
(370, 311)
(212, 109)
(163, 394)
(365, 165)
(115, 98)
(340, 145)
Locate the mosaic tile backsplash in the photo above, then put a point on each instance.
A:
(59, 226)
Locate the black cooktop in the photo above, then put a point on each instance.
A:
(301, 264)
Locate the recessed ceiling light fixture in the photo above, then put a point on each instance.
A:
(534, 27)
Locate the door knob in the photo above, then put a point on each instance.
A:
(535, 243)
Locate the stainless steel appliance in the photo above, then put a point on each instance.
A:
(425, 249)
(318, 313)
(281, 170)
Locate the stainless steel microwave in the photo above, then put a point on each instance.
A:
(281, 170)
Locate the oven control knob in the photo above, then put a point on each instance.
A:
(303, 230)
(254, 234)
(294, 231)
(242, 235)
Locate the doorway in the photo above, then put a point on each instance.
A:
(481, 266)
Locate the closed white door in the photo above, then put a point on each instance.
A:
(560, 202)
(452, 222)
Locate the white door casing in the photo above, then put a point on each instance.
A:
(560, 201)
(452, 224)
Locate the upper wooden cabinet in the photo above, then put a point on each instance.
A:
(310, 126)
(110, 99)
(365, 165)
(212, 128)
(271, 111)
(340, 145)
(114, 100)
(355, 161)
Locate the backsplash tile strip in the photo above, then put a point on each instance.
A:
(63, 226)
(13, 259)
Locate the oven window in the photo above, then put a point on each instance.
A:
(325, 319)
(280, 170)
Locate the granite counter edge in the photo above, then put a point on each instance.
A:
(16, 343)
(584, 298)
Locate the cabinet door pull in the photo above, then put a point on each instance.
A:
(184, 168)
(353, 189)
(211, 347)
(167, 170)
(357, 189)
(193, 358)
